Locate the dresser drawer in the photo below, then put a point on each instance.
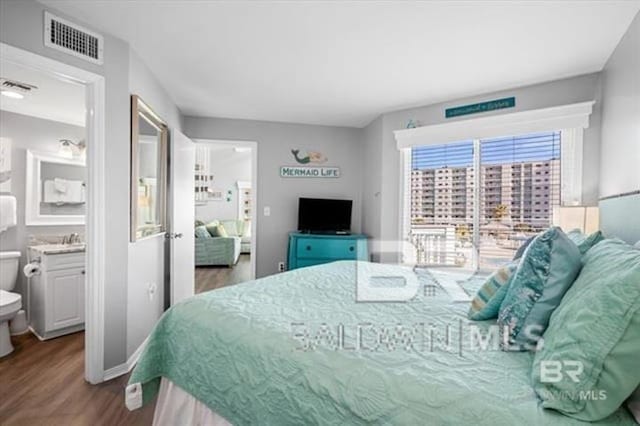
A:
(325, 248)
(302, 263)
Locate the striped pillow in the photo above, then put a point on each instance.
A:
(486, 303)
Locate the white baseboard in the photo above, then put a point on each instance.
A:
(126, 367)
(116, 371)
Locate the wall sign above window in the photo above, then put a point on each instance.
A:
(480, 107)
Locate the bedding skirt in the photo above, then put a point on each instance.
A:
(176, 407)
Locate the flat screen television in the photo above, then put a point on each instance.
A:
(317, 215)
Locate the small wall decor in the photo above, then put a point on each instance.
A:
(203, 176)
(216, 195)
(311, 157)
(480, 107)
(309, 170)
(412, 124)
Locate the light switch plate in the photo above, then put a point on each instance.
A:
(267, 211)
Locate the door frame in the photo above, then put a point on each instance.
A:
(95, 225)
(254, 188)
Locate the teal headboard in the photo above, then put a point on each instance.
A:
(620, 216)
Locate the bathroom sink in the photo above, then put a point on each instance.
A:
(59, 248)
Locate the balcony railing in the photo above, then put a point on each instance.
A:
(435, 245)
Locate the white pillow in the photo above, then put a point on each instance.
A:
(633, 403)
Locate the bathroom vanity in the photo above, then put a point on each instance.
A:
(56, 293)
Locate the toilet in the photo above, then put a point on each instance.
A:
(10, 303)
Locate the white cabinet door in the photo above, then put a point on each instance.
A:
(65, 297)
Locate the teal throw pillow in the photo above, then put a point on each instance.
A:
(201, 232)
(486, 303)
(583, 241)
(546, 271)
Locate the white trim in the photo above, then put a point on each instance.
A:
(254, 190)
(571, 158)
(125, 368)
(405, 198)
(477, 167)
(117, 371)
(96, 206)
(515, 123)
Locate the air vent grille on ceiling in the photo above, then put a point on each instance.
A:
(71, 38)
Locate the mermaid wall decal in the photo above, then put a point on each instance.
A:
(312, 157)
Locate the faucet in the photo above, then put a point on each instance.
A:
(72, 238)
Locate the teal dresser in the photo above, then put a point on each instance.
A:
(315, 249)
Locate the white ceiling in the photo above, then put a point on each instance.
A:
(343, 63)
(54, 99)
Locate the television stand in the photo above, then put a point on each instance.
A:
(315, 249)
(325, 232)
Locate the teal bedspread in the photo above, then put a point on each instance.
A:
(283, 350)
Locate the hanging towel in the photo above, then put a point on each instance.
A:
(8, 215)
(74, 193)
(60, 185)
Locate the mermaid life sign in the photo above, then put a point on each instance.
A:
(309, 172)
(308, 166)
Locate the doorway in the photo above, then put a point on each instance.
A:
(80, 196)
(225, 212)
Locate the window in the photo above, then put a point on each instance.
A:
(473, 203)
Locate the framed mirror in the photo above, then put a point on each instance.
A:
(56, 191)
(149, 142)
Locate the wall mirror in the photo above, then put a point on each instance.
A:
(56, 190)
(149, 140)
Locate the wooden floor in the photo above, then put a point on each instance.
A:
(212, 277)
(42, 383)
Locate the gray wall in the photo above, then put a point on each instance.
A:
(30, 133)
(146, 258)
(227, 167)
(620, 150)
(21, 25)
(561, 92)
(372, 178)
(275, 140)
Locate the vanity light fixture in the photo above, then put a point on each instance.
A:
(11, 94)
(67, 148)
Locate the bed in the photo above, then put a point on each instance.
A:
(296, 348)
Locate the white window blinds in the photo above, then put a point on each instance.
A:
(520, 186)
(504, 189)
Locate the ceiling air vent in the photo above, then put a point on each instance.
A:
(67, 37)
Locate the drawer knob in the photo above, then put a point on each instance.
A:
(351, 248)
(83, 272)
(308, 248)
